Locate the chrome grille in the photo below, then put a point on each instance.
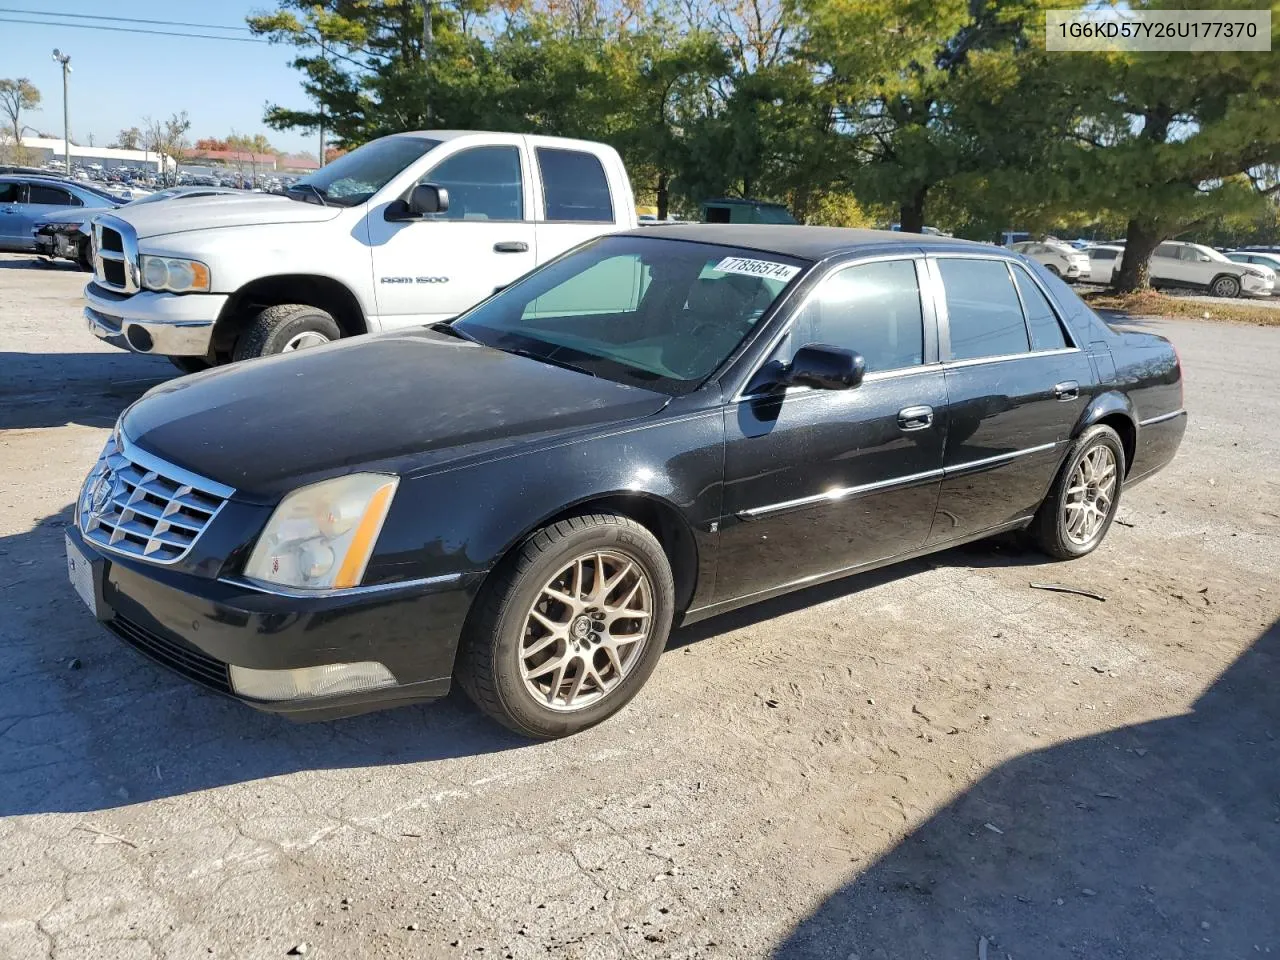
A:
(115, 254)
(138, 505)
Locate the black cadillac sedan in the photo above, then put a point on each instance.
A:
(656, 427)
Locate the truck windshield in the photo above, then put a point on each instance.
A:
(355, 177)
(645, 311)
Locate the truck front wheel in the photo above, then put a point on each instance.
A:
(284, 328)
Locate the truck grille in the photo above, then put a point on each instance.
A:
(140, 506)
(115, 254)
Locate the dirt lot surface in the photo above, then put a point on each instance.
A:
(933, 761)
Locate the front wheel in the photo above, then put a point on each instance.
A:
(567, 630)
(1225, 287)
(285, 328)
(84, 256)
(1078, 511)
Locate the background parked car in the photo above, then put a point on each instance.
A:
(1188, 265)
(25, 198)
(1257, 257)
(65, 233)
(1058, 258)
(1178, 264)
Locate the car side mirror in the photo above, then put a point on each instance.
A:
(824, 367)
(1204, 258)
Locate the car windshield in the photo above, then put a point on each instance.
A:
(649, 312)
(355, 177)
(1211, 253)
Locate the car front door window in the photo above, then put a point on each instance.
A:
(484, 183)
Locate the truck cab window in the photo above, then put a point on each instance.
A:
(484, 183)
(574, 186)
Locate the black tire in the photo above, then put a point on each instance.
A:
(1048, 530)
(488, 665)
(84, 256)
(275, 327)
(1225, 286)
(1053, 269)
(190, 364)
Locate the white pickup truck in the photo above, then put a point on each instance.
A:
(412, 228)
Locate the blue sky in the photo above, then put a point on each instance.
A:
(118, 78)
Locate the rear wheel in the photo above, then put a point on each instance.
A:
(1225, 287)
(1053, 268)
(285, 328)
(1078, 511)
(568, 630)
(84, 255)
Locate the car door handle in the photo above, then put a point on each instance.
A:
(1066, 390)
(511, 246)
(915, 418)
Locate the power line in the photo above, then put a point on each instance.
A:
(158, 33)
(95, 16)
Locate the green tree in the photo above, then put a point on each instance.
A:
(1171, 142)
(929, 93)
(16, 96)
(129, 138)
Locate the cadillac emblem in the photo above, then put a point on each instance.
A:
(100, 496)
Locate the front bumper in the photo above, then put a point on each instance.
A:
(166, 324)
(200, 627)
(1258, 286)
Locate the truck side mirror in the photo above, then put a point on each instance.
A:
(428, 198)
(424, 199)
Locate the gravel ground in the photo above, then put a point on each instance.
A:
(933, 761)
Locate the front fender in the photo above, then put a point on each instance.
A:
(464, 520)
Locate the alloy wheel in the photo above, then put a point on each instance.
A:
(301, 341)
(1090, 495)
(586, 630)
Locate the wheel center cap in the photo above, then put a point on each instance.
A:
(581, 628)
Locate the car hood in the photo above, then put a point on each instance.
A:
(80, 215)
(398, 403)
(221, 210)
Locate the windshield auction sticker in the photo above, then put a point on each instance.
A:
(1122, 29)
(757, 268)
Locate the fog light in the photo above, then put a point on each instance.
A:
(324, 681)
(139, 339)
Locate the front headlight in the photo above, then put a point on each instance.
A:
(321, 536)
(174, 275)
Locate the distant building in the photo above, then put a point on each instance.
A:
(297, 163)
(45, 149)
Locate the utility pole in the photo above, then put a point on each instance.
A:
(428, 41)
(65, 60)
(322, 51)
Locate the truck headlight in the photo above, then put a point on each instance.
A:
(175, 275)
(321, 536)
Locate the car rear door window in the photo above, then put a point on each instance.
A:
(53, 196)
(871, 308)
(574, 186)
(983, 308)
(1167, 250)
(484, 183)
(1046, 330)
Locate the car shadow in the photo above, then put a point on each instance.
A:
(53, 389)
(1159, 839)
(20, 261)
(88, 724)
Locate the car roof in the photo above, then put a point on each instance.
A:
(810, 243)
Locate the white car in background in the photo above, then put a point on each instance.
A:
(1058, 258)
(1188, 265)
(1258, 258)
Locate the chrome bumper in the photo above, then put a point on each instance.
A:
(157, 323)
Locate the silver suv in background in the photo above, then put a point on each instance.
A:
(1060, 259)
(1190, 266)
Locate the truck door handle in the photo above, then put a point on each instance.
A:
(511, 246)
(1066, 390)
(915, 418)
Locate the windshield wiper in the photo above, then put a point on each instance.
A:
(544, 358)
(319, 194)
(443, 326)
